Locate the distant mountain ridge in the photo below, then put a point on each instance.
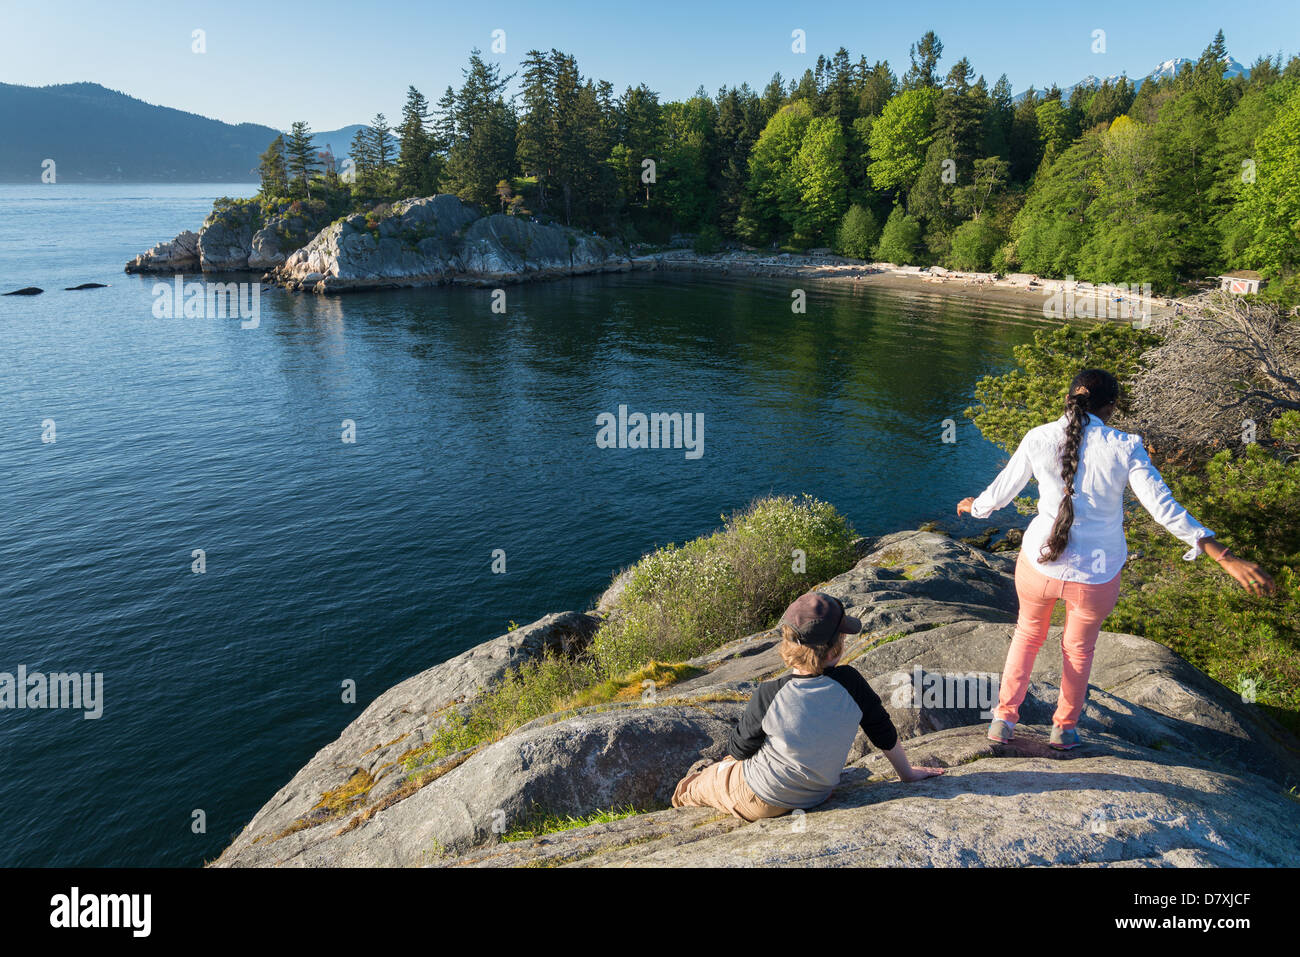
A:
(95, 134)
(1168, 68)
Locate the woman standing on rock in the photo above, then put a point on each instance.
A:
(1074, 548)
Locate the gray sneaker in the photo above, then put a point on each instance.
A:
(1064, 739)
(1001, 731)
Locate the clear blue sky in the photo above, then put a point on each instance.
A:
(334, 63)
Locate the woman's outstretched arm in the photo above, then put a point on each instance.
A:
(1013, 477)
(1154, 494)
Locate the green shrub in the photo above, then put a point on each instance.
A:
(682, 601)
(708, 240)
(974, 244)
(900, 239)
(858, 233)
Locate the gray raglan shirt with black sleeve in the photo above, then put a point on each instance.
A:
(797, 730)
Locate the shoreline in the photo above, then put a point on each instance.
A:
(354, 254)
(1019, 289)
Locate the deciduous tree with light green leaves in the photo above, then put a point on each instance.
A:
(774, 191)
(819, 167)
(858, 233)
(1269, 208)
(900, 137)
(900, 240)
(973, 244)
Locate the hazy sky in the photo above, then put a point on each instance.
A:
(334, 63)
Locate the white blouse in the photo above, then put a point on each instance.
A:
(1108, 461)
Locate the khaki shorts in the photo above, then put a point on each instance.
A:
(722, 785)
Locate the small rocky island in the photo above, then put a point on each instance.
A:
(1174, 770)
(416, 242)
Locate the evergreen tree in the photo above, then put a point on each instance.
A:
(773, 97)
(998, 120)
(273, 169)
(415, 154)
(878, 87)
(536, 141)
(302, 162)
(925, 55)
(482, 150)
(363, 157)
(1025, 147)
(381, 143)
(841, 97)
(641, 127)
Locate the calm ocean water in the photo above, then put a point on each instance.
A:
(328, 561)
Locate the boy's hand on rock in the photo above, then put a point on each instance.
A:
(918, 774)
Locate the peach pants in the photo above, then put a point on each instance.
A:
(1086, 607)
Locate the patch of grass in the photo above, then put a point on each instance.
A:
(889, 559)
(533, 690)
(541, 823)
(352, 792)
(634, 685)
(378, 747)
(405, 790)
(333, 804)
(712, 696)
(886, 639)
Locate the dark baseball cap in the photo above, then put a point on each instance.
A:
(818, 617)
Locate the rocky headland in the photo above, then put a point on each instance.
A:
(1175, 769)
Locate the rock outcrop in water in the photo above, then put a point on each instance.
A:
(238, 235)
(417, 242)
(1175, 769)
(439, 239)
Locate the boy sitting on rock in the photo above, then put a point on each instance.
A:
(794, 737)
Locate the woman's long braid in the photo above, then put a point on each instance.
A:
(1092, 389)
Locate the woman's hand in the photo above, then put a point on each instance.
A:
(964, 506)
(1249, 575)
(1252, 578)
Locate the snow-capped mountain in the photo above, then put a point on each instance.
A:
(1166, 69)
